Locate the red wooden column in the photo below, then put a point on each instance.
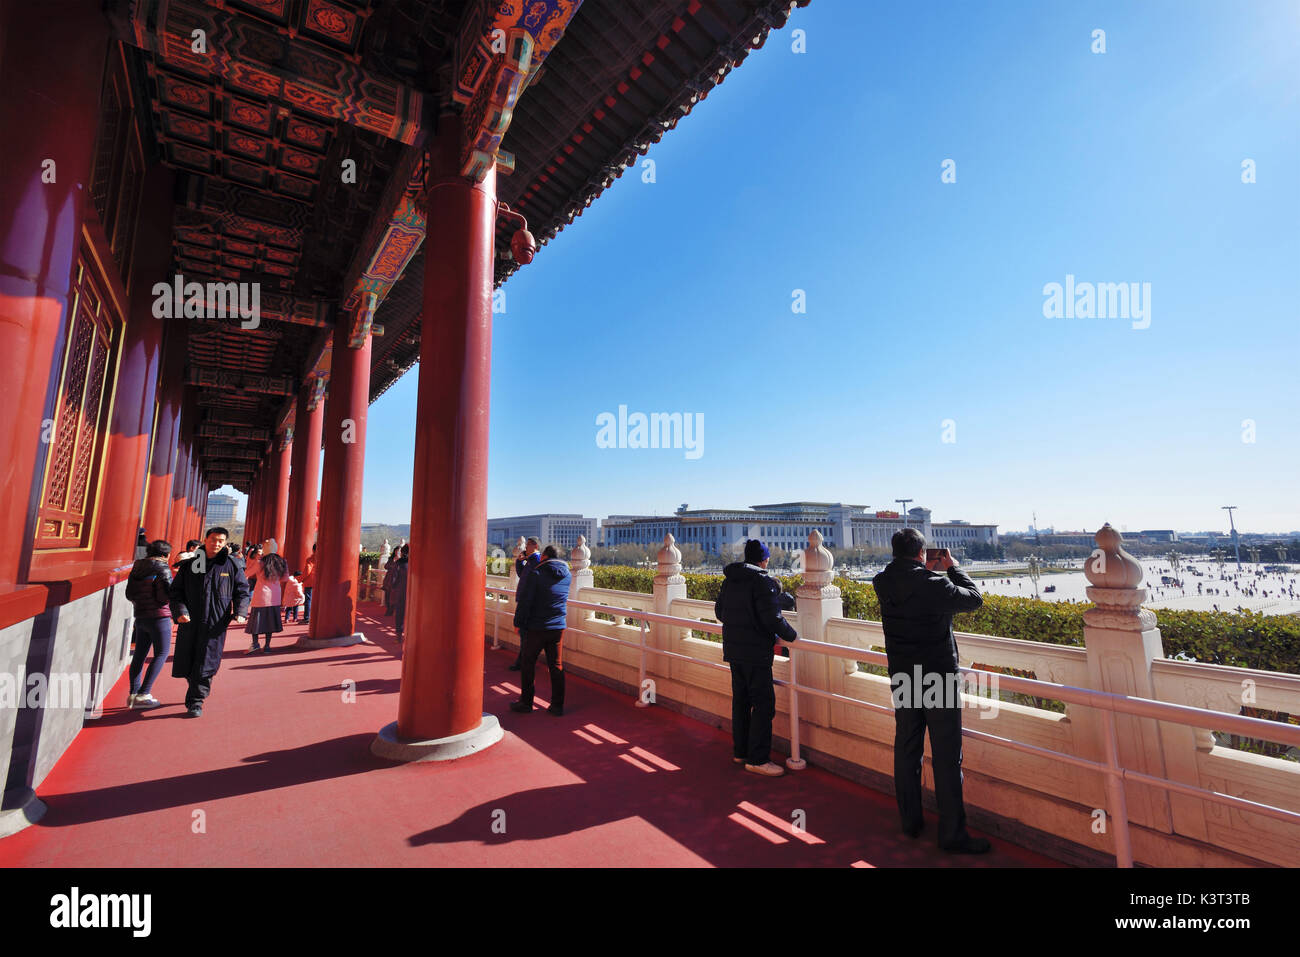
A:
(300, 528)
(254, 520)
(171, 389)
(48, 114)
(442, 665)
(176, 527)
(127, 464)
(281, 456)
(337, 590)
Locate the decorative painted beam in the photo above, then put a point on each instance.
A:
(390, 242)
(232, 433)
(495, 60)
(255, 59)
(220, 379)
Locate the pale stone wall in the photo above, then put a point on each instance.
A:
(81, 649)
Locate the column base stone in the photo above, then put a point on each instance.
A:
(388, 745)
(356, 638)
(20, 809)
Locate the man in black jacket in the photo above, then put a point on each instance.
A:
(749, 606)
(209, 590)
(524, 564)
(917, 603)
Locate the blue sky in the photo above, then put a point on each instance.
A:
(821, 171)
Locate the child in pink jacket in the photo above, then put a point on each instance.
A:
(294, 596)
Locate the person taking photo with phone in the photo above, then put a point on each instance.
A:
(919, 592)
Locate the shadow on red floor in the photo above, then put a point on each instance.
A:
(278, 772)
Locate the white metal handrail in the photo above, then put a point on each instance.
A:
(1106, 703)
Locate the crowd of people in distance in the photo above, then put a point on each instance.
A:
(200, 592)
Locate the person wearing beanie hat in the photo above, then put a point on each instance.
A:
(749, 606)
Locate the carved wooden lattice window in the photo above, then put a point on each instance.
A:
(81, 415)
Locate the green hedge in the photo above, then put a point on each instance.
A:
(1245, 640)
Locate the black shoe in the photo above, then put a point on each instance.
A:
(194, 712)
(520, 707)
(914, 831)
(967, 845)
(514, 667)
(558, 712)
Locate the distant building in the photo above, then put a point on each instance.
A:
(1158, 535)
(787, 525)
(549, 529)
(221, 509)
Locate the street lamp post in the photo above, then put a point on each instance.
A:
(1035, 564)
(1236, 543)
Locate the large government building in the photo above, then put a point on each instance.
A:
(549, 529)
(787, 525)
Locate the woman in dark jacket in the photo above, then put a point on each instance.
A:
(147, 590)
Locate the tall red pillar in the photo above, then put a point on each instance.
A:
(162, 465)
(178, 530)
(337, 589)
(300, 528)
(48, 115)
(254, 516)
(281, 461)
(127, 464)
(442, 666)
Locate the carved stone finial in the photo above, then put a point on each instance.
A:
(670, 563)
(1114, 575)
(818, 576)
(580, 555)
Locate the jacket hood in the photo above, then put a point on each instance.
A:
(743, 570)
(146, 566)
(556, 569)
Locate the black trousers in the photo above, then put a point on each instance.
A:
(532, 644)
(199, 688)
(944, 724)
(753, 706)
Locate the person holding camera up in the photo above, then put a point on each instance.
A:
(917, 602)
(749, 606)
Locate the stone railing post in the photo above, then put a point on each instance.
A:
(817, 600)
(1122, 640)
(669, 585)
(583, 577)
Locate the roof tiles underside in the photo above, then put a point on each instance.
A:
(625, 72)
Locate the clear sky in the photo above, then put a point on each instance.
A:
(822, 171)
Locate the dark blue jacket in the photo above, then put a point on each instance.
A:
(211, 598)
(543, 597)
(749, 606)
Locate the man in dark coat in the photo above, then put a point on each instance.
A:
(524, 564)
(540, 615)
(209, 590)
(917, 602)
(749, 606)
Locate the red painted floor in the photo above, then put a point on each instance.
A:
(278, 772)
